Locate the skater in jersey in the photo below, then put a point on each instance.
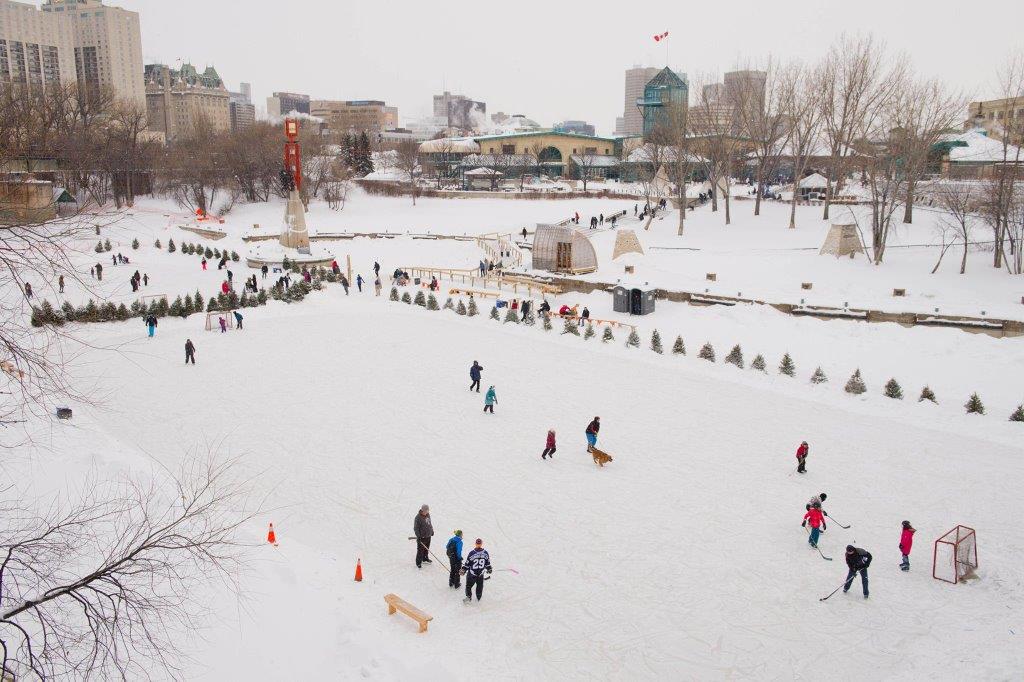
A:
(801, 457)
(817, 520)
(549, 447)
(454, 551)
(857, 560)
(906, 542)
(592, 429)
(478, 561)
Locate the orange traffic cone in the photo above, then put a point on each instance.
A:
(359, 571)
(271, 537)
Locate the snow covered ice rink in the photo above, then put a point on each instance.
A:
(682, 559)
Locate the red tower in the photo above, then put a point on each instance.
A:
(292, 152)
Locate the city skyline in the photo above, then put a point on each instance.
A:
(398, 63)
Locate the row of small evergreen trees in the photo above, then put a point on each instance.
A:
(855, 385)
(197, 250)
(45, 314)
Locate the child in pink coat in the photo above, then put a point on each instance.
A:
(906, 542)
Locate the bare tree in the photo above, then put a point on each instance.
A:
(1002, 190)
(103, 587)
(960, 200)
(127, 154)
(715, 125)
(194, 170)
(586, 164)
(803, 114)
(407, 160)
(932, 112)
(673, 132)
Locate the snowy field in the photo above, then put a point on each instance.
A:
(682, 559)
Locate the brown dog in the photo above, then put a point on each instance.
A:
(600, 458)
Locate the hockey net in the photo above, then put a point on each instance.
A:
(956, 555)
(213, 320)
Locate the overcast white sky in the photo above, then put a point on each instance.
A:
(549, 60)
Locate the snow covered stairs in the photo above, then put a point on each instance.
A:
(396, 603)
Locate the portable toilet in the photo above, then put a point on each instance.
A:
(633, 297)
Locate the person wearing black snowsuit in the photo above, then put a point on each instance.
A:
(376, 269)
(857, 560)
(344, 284)
(474, 374)
(190, 352)
(477, 563)
(544, 307)
(423, 529)
(454, 551)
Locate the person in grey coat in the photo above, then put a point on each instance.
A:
(423, 529)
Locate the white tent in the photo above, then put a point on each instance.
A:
(815, 183)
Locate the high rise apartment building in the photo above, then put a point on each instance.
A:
(636, 79)
(72, 40)
(283, 103)
(178, 100)
(352, 116)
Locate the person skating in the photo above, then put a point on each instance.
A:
(376, 269)
(60, 284)
(820, 499)
(423, 529)
(238, 320)
(344, 284)
(28, 290)
(801, 457)
(376, 286)
(454, 551)
(906, 542)
(190, 352)
(489, 399)
(474, 374)
(145, 280)
(592, 429)
(478, 561)
(857, 560)
(359, 283)
(817, 520)
(549, 446)
(223, 324)
(263, 271)
(204, 263)
(99, 271)
(151, 323)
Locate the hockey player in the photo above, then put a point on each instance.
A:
(857, 560)
(454, 551)
(906, 542)
(801, 457)
(820, 499)
(478, 561)
(817, 520)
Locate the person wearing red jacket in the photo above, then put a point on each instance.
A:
(906, 542)
(801, 457)
(549, 448)
(817, 520)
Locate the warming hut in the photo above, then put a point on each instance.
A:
(562, 248)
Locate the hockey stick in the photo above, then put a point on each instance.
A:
(833, 520)
(826, 558)
(439, 562)
(833, 591)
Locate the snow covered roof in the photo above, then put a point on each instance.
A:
(502, 160)
(595, 160)
(645, 154)
(974, 146)
(814, 180)
(450, 145)
(481, 172)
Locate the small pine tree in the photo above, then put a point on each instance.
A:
(759, 364)
(547, 322)
(571, 327)
(974, 405)
(90, 313)
(893, 390)
(633, 341)
(707, 352)
(198, 301)
(735, 356)
(787, 366)
(157, 244)
(448, 305)
(135, 244)
(460, 309)
(170, 246)
(122, 312)
(162, 307)
(216, 253)
(855, 385)
(432, 302)
(234, 256)
(406, 298)
(494, 313)
(927, 394)
(819, 377)
(511, 315)
(656, 342)
(211, 305)
(679, 348)
(69, 312)
(106, 245)
(208, 253)
(589, 333)
(528, 319)
(420, 299)
(99, 247)
(177, 307)
(108, 312)
(607, 335)
(1018, 414)
(472, 311)
(189, 306)
(394, 294)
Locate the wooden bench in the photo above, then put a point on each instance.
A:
(396, 603)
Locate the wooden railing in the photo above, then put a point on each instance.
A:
(473, 278)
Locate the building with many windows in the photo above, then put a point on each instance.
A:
(460, 111)
(663, 95)
(999, 118)
(636, 79)
(353, 116)
(72, 40)
(178, 100)
(283, 103)
(240, 107)
(574, 127)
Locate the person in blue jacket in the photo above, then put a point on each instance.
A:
(474, 374)
(489, 399)
(454, 551)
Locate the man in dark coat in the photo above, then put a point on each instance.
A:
(474, 374)
(592, 429)
(190, 352)
(857, 560)
(423, 529)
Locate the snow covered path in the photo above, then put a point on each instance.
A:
(682, 559)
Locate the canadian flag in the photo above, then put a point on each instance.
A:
(661, 36)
